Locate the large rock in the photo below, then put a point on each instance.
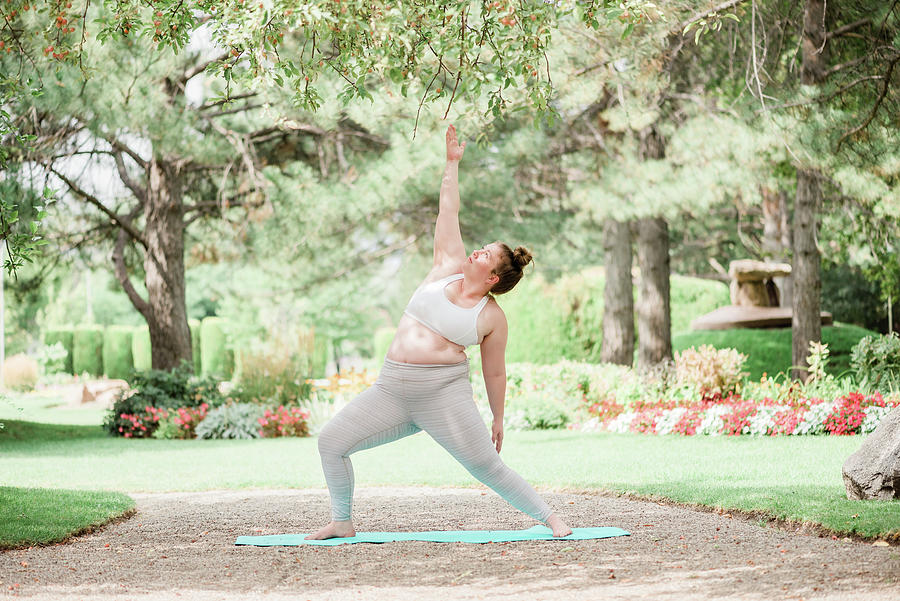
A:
(873, 472)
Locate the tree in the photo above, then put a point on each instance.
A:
(654, 316)
(184, 161)
(617, 345)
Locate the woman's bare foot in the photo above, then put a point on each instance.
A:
(334, 530)
(558, 526)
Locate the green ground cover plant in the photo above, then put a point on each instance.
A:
(789, 478)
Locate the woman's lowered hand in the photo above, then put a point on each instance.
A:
(497, 434)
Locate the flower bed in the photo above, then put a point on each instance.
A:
(852, 413)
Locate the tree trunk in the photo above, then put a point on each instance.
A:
(776, 240)
(170, 337)
(618, 295)
(654, 316)
(812, 69)
(806, 324)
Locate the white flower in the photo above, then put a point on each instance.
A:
(621, 423)
(665, 423)
(762, 422)
(874, 415)
(813, 421)
(712, 422)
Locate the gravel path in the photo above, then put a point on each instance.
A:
(180, 546)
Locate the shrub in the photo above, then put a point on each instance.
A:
(235, 420)
(181, 423)
(87, 350)
(52, 358)
(194, 325)
(140, 348)
(63, 336)
(160, 389)
(140, 424)
(20, 372)
(546, 415)
(213, 360)
(712, 372)
(284, 421)
(117, 357)
(876, 361)
(274, 377)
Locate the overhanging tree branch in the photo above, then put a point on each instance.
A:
(139, 191)
(847, 28)
(122, 222)
(121, 271)
(884, 90)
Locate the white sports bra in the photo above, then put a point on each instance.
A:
(431, 307)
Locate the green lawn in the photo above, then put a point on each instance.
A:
(38, 516)
(795, 478)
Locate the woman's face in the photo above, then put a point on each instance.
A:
(482, 262)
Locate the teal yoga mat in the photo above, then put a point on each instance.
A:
(434, 536)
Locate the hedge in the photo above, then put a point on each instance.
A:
(117, 358)
(87, 350)
(194, 325)
(214, 358)
(141, 352)
(64, 336)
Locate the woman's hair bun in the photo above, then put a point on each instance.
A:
(521, 256)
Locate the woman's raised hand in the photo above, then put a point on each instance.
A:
(454, 148)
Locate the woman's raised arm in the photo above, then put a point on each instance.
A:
(448, 245)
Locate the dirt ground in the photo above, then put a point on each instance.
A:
(181, 546)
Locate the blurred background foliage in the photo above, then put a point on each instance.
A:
(337, 226)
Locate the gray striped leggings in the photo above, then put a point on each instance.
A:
(408, 398)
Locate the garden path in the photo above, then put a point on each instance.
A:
(180, 546)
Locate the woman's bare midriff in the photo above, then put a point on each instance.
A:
(415, 343)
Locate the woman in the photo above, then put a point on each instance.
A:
(424, 383)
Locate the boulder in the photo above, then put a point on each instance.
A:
(101, 393)
(873, 472)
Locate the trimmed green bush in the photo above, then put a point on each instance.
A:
(117, 357)
(87, 350)
(194, 325)
(140, 348)
(213, 354)
(62, 335)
